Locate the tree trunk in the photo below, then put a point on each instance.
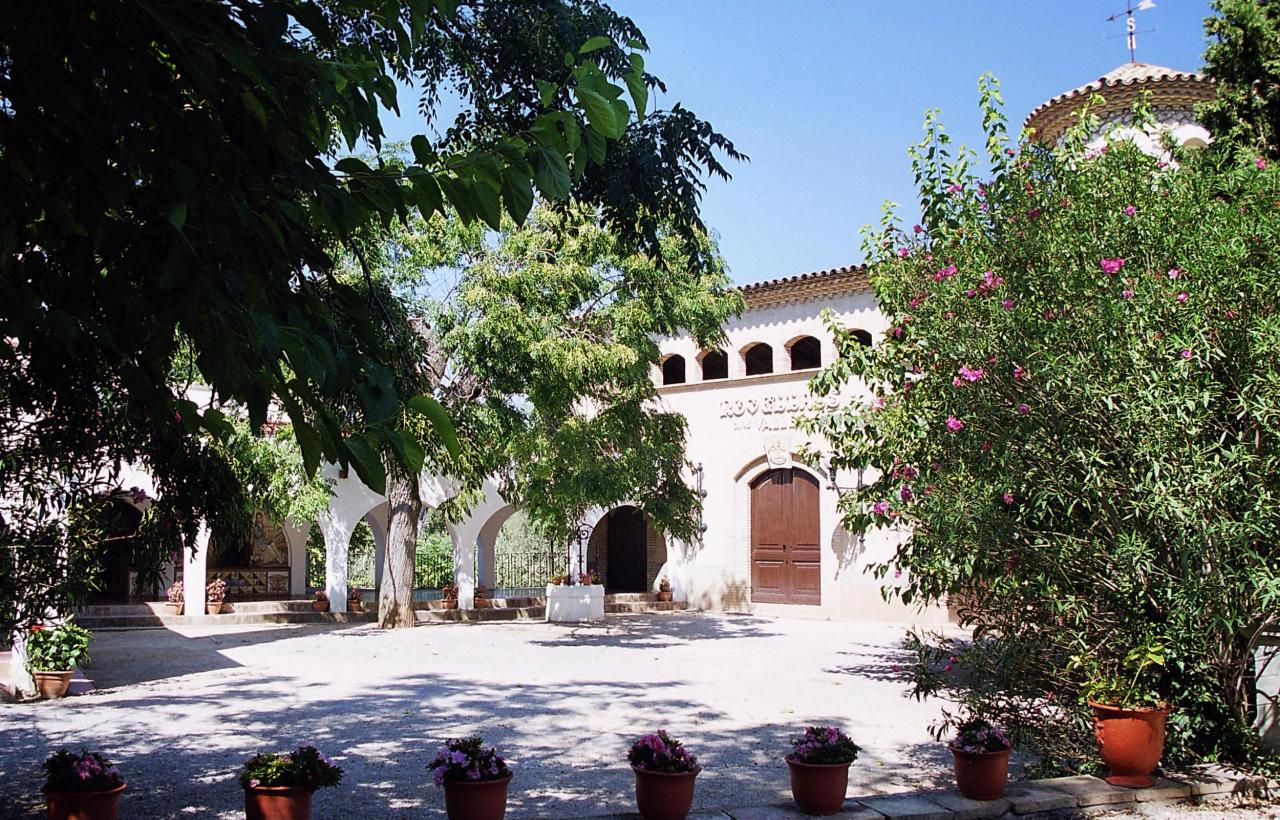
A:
(404, 505)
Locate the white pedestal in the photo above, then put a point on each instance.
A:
(575, 604)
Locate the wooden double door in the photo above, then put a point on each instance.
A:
(786, 553)
(627, 567)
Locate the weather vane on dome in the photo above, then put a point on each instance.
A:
(1131, 26)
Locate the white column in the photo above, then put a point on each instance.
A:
(19, 678)
(465, 536)
(296, 537)
(337, 538)
(379, 526)
(194, 566)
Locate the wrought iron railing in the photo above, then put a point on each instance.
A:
(526, 573)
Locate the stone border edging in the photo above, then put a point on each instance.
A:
(1022, 798)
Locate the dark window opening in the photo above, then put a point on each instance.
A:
(759, 359)
(806, 354)
(862, 336)
(673, 370)
(715, 365)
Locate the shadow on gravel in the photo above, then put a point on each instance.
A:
(657, 631)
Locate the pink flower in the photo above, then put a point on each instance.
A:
(1023, 409)
(1034, 213)
(1186, 354)
(1231, 314)
(1019, 372)
(1261, 162)
(910, 472)
(1126, 294)
(918, 229)
(905, 493)
(944, 273)
(1006, 497)
(950, 314)
(1112, 265)
(1007, 304)
(971, 293)
(903, 253)
(1174, 273)
(880, 507)
(1129, 210)
(954, 188)
(897, 573)
(1182, 297)
(954, 424)
(946, 668)
(984, 446)
(1161, 164)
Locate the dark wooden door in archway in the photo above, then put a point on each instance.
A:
(627, 533)
(786, 556)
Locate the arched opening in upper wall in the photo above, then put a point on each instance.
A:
(861, 335)
(806, 353)
(758, 359)
(673, 370)
(715, 365)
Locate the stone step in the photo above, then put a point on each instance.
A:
(120, 622)
(531, 613)
(618, 607)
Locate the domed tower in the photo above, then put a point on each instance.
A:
(1174, 95)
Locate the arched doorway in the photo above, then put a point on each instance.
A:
(786, 553)
(626, 565)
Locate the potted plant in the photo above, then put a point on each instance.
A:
(474, 779)
(981, 754)
(83, 786)
(279, 786)
(664, 590)
(819, 764)
(320, 601)
(174, 596)
(665, 772)
(355, 600)
(449, 596)
(481, 598)
(1129, 713)
(214, 594)
(52, 653)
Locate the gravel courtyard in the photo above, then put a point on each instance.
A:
(180, 710)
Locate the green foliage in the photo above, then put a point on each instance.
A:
(1243, 57)
(57, 649)
(1072, 418)
(305, 767)
(1131, 682)
(175, 187)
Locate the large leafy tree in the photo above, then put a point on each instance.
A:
(540, 341)
(1074, 421)
(173, 183)
(1244, 58)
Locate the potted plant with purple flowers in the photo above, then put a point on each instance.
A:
(320, 601)
(474, 779)
(665, 772)
(981, 753)
(214, 594)
(279, 786)
(819, 764)
(83, 786)
(174, 598)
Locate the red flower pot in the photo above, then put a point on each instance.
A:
(213, 607)
(664, 795)
(320, 606)
(476, 799)
(277, 803)
(818, 788)
(84, 805)
(664, 597)
(1131, 742)
(981, 775)
(52, 685)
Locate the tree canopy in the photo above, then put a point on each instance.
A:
(176, 183)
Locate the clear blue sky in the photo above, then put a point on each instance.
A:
(825, 96)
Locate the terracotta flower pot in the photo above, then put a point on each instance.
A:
(173, 608)
(213, 607)
(981, 775)
(320, 606)
(483, 603)
(277, 803)
(476, 799)
(449, 603)
(355, 606)
(1131, 742)
(665, 597)
(664, 795)
(52, 685)
(84, 805)
(818, 788)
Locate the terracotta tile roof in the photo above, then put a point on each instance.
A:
(815, 285)
(1120, 86)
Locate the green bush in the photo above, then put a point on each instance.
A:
(57, 649)
(1075, 415)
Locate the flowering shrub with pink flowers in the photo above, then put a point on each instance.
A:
(85, 772)
(1072, 420)
(823, 745)
(306, 767)
(659, 752)
(465, 759)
